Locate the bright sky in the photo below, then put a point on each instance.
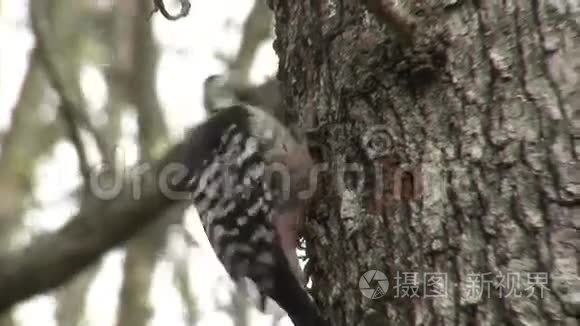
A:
(189, 47)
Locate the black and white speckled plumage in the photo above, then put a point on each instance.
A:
(236, 207)
(228, 156)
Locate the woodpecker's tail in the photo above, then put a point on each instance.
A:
(292, 297)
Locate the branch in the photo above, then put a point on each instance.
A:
(150, 119)
(158, 5)
(71, 101)
(39, 27)
(75, 138)
(257, 28)
(20, 147)
(100, 225)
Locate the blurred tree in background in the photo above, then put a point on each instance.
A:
(117, 38)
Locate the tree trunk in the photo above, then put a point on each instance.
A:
(21, 151)
(143, 250)
(473, 129)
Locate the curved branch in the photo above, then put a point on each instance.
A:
(71, 105)
(160, 6)
(257, 28)
(100, 226)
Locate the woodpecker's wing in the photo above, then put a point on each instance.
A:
(238, 207)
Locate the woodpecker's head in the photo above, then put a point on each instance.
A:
(284, 147)
(218, 94)
(265, 122)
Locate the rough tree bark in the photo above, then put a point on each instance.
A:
(476, 125)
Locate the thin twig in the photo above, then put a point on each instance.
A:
(76, 140)
(70, 108)
(160, 6)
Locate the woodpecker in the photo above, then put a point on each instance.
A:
(246, 172)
